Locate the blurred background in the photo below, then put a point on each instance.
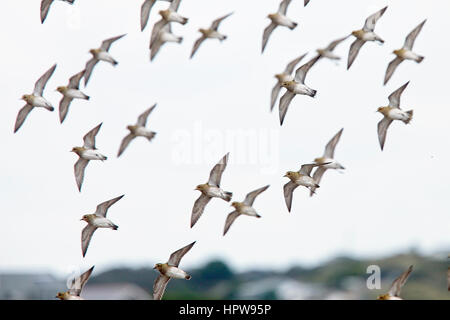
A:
(388, 208)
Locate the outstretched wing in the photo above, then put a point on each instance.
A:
(125, 142)
(215, 24)
(216, 173)
(89, 138)
(176, 257)
(290, 67)
(306, 169)
(45, 6)
(64, 107)
(306, 2)
(157, 28)
(230, 219)
(22, 115)
(391, 68)
(250, 198)
(288, 192)
(79, 167)
(145, 12)
(394, 98)
(159, 286)
(372, 20)
(284, 104)
(42, 81)
(409, 42)
(300, 74)
(267, 32)
(103, 207)
(77, 284)
(106, 44)
(331, 145)
(86, 236)
(275, 92)
(174, 5)
(88, 70)
(74, 81)
(317, 176)
(282, 9)
(383, 125)
(199, 207)
(197, 45)
(354, 50)
(398, 283)
(142, 120)
(335, 43)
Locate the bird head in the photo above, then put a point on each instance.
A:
(76, 149)
(201, 187)
(383, 297)
(158, 266)
(25, 97)
(285, 83)
(61, 295)
(85, 218)
(61, 89)
(235, 204)
(289, 174)
(93, 51)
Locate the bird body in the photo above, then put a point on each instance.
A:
(299, 88)
(37, 101)
(75, 287)
(73, 93)
(214, 191)
(281, 20)
(367, 35)
(103, 56)
(173, 16)
(173, 272)
(98, 221)
(396, 114)
(328, 54)
(212, 34)
(301, 179)
(330, 163)
(89, 154)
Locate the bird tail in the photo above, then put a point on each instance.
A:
(294, 25)
(49, 108)
(114, 63)
(410, 115)
(313, 93)
(104, 157)
(180, 39)
(187, 277)
(114, 227)
(227, 196)
(420, 59)
(150, 136)
(381, 41)
(258, 216)
(185, 20)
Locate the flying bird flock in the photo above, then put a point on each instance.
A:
(309, 175)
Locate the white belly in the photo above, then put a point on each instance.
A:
(40, 102)
(142, 132)
(369, 36)
(329, 55)
(105, 56)
(216, 35)
(249, 211)
(169, 37)
(215, 192)
(175, 17)
(397, 114)
(409, 55)
(102, 223)
(306, 181)
(299, 88)
(74, 94)
(92, 155)
(283, 21)
(176, 273)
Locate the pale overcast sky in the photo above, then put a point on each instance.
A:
(385, 202)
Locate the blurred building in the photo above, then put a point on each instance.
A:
(115, 291)
(29, 286)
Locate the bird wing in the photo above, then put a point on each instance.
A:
(267, 32)
(197, 45)
(106, 44)
(79, 167)
(155, 47)
(89, 138)
(282, 9)
(64, 107)
(288, 191)
(290, 67)
(145, 12)
(103, 207)
(42, 81)
(300, 74)
(353, 52)
(284, 104)
(215, 24)
(383, 125)
(275, 92)
(230, 219)
(22, 115)
(74, 81)
(199, 207)
(157, 27)
(160, 286)
(306, 2)
(391, 68)
(78, 283)
(45, 6)
(409, 42)
(394, 98)
(142, 120)
(317, 176)
(250, 198)
(125, 142)
(175, 257)
(331, 145)
(216, 173)
(306, 169)
(174, 5)
(86, 236)
(369, 25)
(398, 283)
(335, 43)
(88, 70)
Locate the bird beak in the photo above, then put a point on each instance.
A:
(285, 175)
